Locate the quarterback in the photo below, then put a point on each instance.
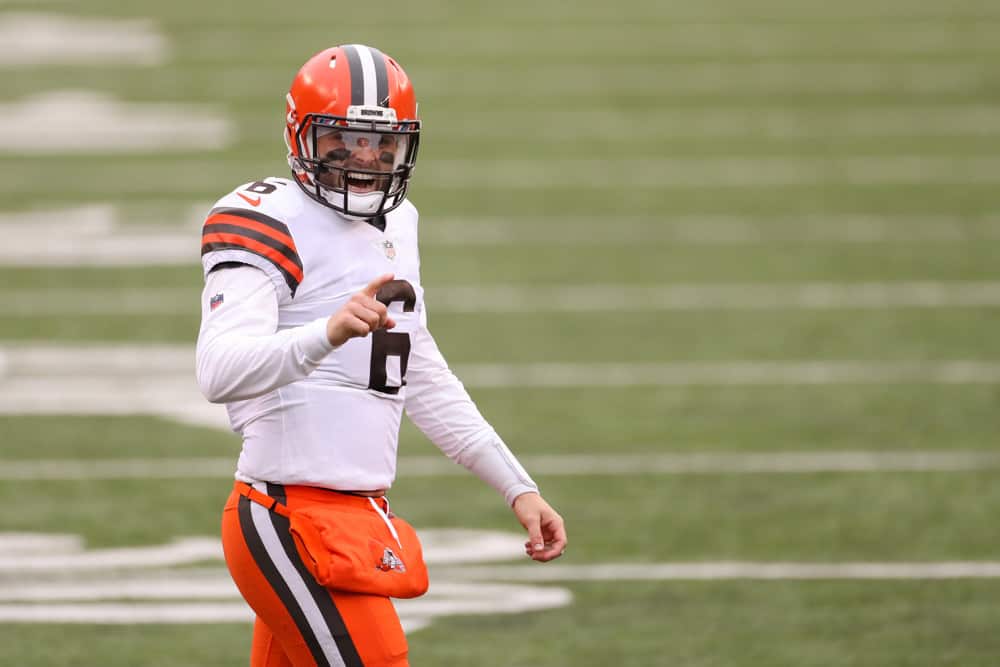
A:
(314, 334)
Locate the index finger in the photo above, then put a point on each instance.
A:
(372, 288)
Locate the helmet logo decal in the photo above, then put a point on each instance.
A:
(291, 118)
(372, 114)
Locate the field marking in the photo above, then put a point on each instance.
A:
(108, 126)
(148, 584)
(178, 552)
(99, 234)
(31, 38)
(444, 599)
(61, 582)
(165, 301)
(131, 379)
(134, 367)
(64, 554)
(551, 465)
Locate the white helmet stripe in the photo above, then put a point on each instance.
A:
(368, 69)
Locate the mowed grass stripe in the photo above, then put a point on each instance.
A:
(746, 373)
(794, 16)
(49, 375)
(636, 336)
(787, 262)
(717, 172)
(103, 234)
(552, 465)
(823, 517)
(462, 86)
(575, 41)
(191, 176)
(732, 570)
(718, 229)
(710, 122)
(165, 301)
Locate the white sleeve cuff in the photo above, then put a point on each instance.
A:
(315, 344)
(496, 465)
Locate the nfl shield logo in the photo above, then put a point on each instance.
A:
(215, 301)
(389, 249)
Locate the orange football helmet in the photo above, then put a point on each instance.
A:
(352, 130)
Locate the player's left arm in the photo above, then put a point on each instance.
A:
(437, 402)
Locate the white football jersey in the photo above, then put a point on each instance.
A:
(333, 419)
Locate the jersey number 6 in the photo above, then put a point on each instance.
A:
(387, 344)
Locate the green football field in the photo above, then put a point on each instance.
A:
(723, 274)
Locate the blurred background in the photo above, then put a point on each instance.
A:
(724, 274)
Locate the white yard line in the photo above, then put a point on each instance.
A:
(101, 234)
(552, 465)
(130, 379)
(179, 552)
(84, 301)
(108, 126)
(176, 597)
(32, 38)
(137, 366)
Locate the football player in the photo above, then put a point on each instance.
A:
(314, 334)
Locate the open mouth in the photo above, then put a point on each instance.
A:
(360, 182)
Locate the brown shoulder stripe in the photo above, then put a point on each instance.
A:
(256, 233)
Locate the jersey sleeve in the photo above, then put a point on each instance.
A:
(234, 234)
(438, 404)
(240, 352)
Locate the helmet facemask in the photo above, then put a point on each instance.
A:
(359, 164)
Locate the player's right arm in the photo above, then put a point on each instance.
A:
(240, 352)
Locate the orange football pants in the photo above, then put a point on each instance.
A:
(300, 623)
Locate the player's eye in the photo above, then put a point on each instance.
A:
(387, 157)
(337, 155)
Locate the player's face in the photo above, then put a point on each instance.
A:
(354, 152)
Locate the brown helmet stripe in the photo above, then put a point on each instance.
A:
(357, 75)
(381, 78)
